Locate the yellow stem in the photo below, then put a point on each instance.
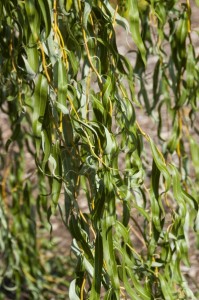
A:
(86, 46)
(133, 250)
(189, 16)
(142, 132)
(82, 289)
(114, 17)
(60, 122)
(44, 61)
(90, 226)
(89, 56)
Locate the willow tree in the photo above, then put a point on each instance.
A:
(73, 101)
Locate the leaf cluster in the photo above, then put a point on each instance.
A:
(73, 103)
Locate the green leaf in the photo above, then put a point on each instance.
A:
(86, 13)
(67, 130)
(178, 194)
(107, 238)
(29, 70)
(98, 265)
(107, 88)
(33, 18)
(39, 98)
(145, 295)
(74, 62)
(57, 176)
(194, 147)
(46, 147)
(69, 4)
(161, 165)
(190, 67)
(60, 81)
(182, 29)
(135, 27)
(110, 143)
(45, 10)
(78, 234)
(167, 292)
(128, 287)
(72, 291)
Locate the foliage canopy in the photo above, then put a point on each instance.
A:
(74, 104)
